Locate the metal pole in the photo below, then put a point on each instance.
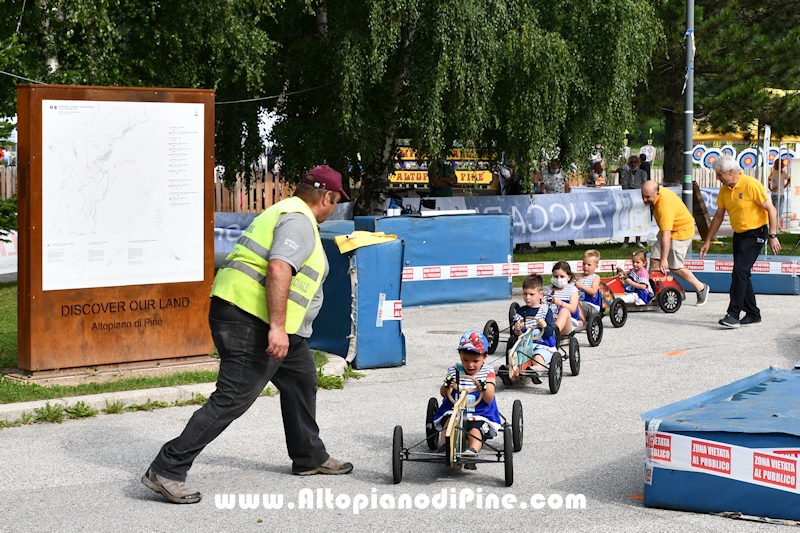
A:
(688, 107)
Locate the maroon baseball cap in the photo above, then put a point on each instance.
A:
(324, 177)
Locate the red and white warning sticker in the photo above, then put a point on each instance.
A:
(775, 468)
(388, 310)
(484, 270)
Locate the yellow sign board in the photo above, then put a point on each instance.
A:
(467, 177)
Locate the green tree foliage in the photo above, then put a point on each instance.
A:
(8, 217)
(208, 44)
(743, 47)
(517, 78)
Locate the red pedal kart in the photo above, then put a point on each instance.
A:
(668, 296)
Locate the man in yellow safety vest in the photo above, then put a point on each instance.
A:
(263, 303)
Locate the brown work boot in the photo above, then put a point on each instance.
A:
(331, 466)
(174, 491)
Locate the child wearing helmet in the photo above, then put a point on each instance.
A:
(483, 419)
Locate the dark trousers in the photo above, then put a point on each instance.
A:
(244, 371)
(746, 247)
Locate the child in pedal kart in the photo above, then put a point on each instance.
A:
(538, 316)
(589, 284)
(637, 283)
(483, 419)
(565, 297)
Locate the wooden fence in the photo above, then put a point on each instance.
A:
(264, 190)
(8, 182)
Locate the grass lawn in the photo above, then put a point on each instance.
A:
(8, 324)
(13, 391)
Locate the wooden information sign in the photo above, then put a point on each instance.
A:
(116, 225)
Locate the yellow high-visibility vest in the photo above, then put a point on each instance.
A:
(241, 281)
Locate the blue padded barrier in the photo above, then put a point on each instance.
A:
(757, 413)
(450, 240)
(347, 324)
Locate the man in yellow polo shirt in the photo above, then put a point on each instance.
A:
(750, 210)
(676, 231)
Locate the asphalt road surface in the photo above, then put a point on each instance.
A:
(588, 439)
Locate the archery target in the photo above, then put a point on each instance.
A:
(747, 158)
(728, 150)
(711, 155)
(772, 156)
(649, 151)
(697, 153)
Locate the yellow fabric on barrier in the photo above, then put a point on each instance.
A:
(357, 239)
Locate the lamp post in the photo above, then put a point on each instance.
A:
(688, 106)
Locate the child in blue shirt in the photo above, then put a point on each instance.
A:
(483, 419)
(536, 315)
(589, 283)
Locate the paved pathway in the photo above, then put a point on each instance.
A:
(588, 439)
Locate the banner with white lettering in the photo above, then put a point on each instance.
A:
(775, 468)
(8, 254)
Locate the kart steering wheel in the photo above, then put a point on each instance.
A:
(476, 388)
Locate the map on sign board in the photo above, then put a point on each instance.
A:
(122, 193)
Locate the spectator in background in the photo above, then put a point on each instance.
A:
(644, 164)
(633, 179)
(776, 177)
(509, 179)
(622, 170)
(597, 177)
(441, 178)
(555, 182)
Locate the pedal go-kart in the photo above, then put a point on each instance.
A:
(668, 296)
(456, 438)
(519, 362)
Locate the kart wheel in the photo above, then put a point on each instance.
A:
(397, 458)
(618, 313)
(430, 432)
(511, 312)
(594, 329)
(516, 425)
(492, 333)
(669, 300)
(574, 357)
(508, 456)
(502, 371)
(554, 373)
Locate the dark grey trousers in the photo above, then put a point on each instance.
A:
(244, 371)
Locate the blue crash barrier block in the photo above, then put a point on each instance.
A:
(706, 473)
(348, 324)
(450, 240)
(337, 227)
(762, 283)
